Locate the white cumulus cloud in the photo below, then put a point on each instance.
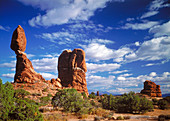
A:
(102, 67)
(161, 30)
(59, 12)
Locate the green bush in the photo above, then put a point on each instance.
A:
(130, 103)
(92, 103)
(109, 102)
(20, 93)
(84, 95)
(155, 101)
(45, 100)
(92, 95)
(13, 106)
(162, 104)
(70, 100)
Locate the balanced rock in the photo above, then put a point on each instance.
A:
(24, 69)
(72, 70)
(151, 89)
(18, 41)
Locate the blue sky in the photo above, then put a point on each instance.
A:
(126, 41)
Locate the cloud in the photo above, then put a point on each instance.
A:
(98, 52)
(151, 50)
(154, 8)
(118, 72)
(45, 64)
(81, 26)
(100, 41)
(93, 68)
(152, 74)
(140, 26)
(125, 75)
(48, 75)
(12, 64)
(150, 64)
(161, 30)
(8, 75)
(54, 37)
(59, 12)
(4, 28)
(149, 14)
(99, 81)
(157, 4)
(120, 78)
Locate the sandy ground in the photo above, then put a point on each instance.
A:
(149, 116)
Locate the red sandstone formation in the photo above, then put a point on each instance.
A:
(98, 93)
(151, 89)
(56, 82)
(24, 69)
(18, 41)
(72, 68)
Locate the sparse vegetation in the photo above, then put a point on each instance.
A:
(92, 95)
(70, 100)
(14, 106)
(129, 103)
(163, 104)
(45, 100)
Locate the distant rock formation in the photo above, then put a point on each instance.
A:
(98, 93)
(72, 69)
(151, 89)
(24, 69)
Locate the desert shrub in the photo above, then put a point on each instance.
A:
(70, 100)
(162, 104)
(45, 100)
(167, 99)
(145, 105)
(109, 102)
(130, 103)
(84, 95)
(92, 95)
(155, 101)
(20, 93)
(92, 103)
(16, 108)
(22, 86)
(49, 95)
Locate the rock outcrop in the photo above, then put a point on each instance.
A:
(72, 70)
(151, 89)
(24, 69)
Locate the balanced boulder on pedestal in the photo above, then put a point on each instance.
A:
(24, 69)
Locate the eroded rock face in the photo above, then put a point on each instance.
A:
(24, 69)
(151, 89)
(72, 69)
